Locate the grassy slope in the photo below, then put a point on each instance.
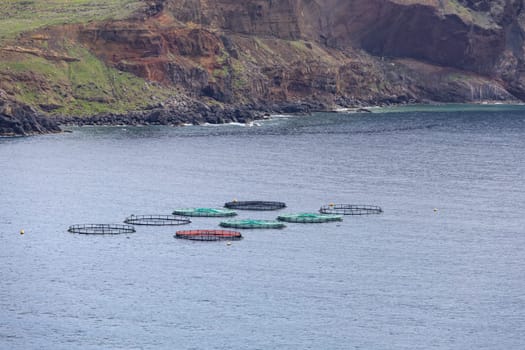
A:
(18, 16)
(77, 88)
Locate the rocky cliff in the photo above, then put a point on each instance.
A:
(228, 57)
(22, 120)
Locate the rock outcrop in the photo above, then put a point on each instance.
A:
(23, 120)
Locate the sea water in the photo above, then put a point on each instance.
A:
(442, 268)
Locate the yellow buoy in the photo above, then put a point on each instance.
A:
(22, 231)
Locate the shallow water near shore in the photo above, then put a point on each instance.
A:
(410, 278)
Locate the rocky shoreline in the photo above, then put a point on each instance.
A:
(22, 120)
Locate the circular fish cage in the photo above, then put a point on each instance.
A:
(204, 212)
(157, 220)
(350, 209)
(209, 235)
(309, 218)
(101, 229)
(255, 205)
(248, 224)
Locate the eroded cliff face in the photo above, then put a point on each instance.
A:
(465, 34)
(271, 55)
(324, 52)
(475, 36)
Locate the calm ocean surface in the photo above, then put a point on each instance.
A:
(411, 278)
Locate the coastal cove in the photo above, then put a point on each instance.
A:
(441, 268)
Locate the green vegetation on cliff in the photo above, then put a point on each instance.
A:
(25, 15)
(83, 87)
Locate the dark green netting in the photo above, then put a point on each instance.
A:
(309, 218)
(204, 212)
(249, 223)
